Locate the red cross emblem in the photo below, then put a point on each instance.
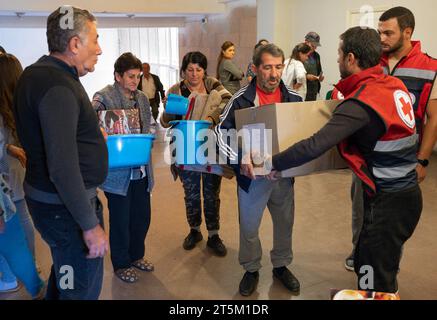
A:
(405, 108)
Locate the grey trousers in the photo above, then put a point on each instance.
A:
(278, 196)
(357, 209)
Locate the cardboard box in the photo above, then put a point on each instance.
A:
(291, 123)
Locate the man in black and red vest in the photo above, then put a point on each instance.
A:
(374, 128)
(404, 59)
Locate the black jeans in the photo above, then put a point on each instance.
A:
(129, 221)
(389, 221)
(65, 239)
(211, 198)
(155, 108)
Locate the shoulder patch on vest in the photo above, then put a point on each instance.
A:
(404, 107)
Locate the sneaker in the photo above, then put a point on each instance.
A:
(349, 263)
(193, 237)
(248, 283)
(217, 246)
(6, 287)
(287, 278)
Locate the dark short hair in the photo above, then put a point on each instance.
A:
(300, 48)
(270, 48)
(58, 35)
(127, 61)
(365, 44)
(195, 57)
(2, 50)
(403, 15)
(260, 43)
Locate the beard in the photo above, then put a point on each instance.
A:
(344, 73)
(398, 45)
(266, 86)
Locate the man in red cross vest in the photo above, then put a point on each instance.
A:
(404, 59)
(375, 130)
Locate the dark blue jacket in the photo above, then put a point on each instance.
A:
(244, 98)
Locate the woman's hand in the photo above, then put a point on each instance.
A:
(312, 77)
(17, 153)
(297, 86)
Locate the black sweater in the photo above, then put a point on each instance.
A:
(58, 129)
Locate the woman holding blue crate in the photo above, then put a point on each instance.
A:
(210, 97)
(127, 189)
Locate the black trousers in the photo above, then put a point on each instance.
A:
(154, 104)
(129, 221)
(211, 198)
(389, 221)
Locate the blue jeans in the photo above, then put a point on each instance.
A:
(65, 239)
(27, 226)
(13, 247)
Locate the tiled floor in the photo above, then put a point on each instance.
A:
(321, 241)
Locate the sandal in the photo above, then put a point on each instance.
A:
(143, 265)
(127, 275)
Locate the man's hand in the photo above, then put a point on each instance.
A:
(247, 167)
(321, 78)
(247, 170)
(421, 173)
(273, 175)
(97, 242)
(312, 77)
(17, 153)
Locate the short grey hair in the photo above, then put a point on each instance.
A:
(270, 48)
(58, 36)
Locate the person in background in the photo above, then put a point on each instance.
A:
(128, 189)
(313, 67)
(151, 85)
(211, 97)
(249, 73)
(295, 75)
(12, 163)
(227, 72)
(67, 157)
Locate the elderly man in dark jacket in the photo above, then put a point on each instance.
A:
(152, 87)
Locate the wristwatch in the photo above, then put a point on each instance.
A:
(423, 162)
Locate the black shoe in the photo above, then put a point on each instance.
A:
(193, 237)
(248, 283)
(216, 244)
(287, 278)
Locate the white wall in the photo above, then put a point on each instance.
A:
(330, 18)
(28, 45)
(130, 6)
(273, 22)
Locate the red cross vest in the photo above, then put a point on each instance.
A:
(418, 72)
(391, 164)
